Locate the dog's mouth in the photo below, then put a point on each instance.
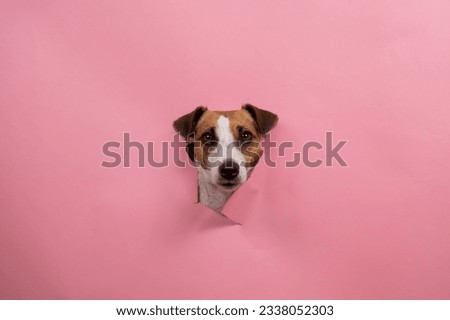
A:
(228, 184)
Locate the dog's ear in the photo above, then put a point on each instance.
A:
(185, 125)
(265, 120)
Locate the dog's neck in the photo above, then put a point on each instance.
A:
(212, 195)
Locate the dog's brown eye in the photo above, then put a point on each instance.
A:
(246, 136)
(207, 136)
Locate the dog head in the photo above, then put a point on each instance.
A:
(225, 145)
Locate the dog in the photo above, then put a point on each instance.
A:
(225, 146)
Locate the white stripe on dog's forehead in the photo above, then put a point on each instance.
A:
(226, 140)
(223, 131)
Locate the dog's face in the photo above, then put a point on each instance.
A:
(226, 145)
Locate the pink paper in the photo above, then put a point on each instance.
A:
(75, 75)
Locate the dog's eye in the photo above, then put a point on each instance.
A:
(246, 136)
(207, 136)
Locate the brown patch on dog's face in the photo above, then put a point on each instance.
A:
(205, 137)
(245, 131)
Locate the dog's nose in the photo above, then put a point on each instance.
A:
(229, 169)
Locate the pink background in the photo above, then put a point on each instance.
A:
(75, 74)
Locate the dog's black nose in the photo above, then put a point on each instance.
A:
(229, 169)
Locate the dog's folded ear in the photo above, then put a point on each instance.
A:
(185, 125)
(265, 120)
